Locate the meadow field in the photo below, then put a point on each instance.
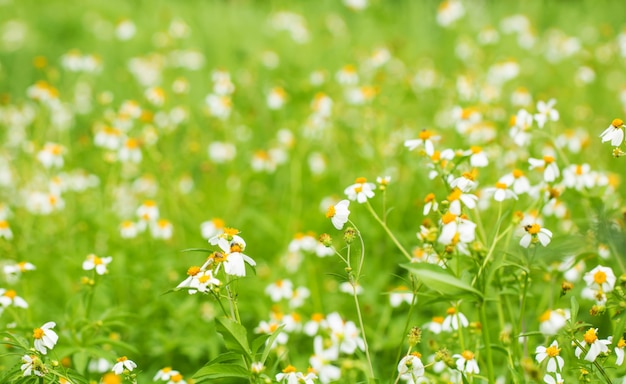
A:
(331, 191)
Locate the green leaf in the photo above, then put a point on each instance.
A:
(270, 342)
(574, 310)
(439, 279)
(197, 250)
(235, 336)
(218, 371)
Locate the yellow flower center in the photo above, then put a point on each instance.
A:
(218, 223)
(476, 149)
(517, 173)
(448, 218)
(331, 212)
(468, 355)
(37, 333)
(500, 185)
(424, 135)
(621, 343)
(533, 229)
(553, 351)
(455, 195)
(204, 278)
(451, 311)
(360, 180)
(176, 378)
(545, 316)
(430, 197)
(166, 369)
(548, 159)
(10, 294)
(358, 189)
(579, 170)
(599, 277)
(468, 175)
(235, 248)
(590, 336)
(121, 359)
(317, 317)
(438, 319)
(192, 271)
(617, 123)
(231, 231)
(4, 224)
(289, 369)
(96, 260)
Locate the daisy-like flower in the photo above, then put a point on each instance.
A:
(435, 325)
(411, 368)
(501, 192)
(162, 229)
(211, 228)
(600, 278)
(535, 234)
(595, 345)
(280, 289)
(130, 151)
(10, 297)
(400, 295)
(456, 197)
(128, 229)
(614, 133)
(551, 321)
(478, 158)
(338, 213)
(466, 182)
(361, 190)
(122, 364)
(555, 362)
(466, 362)
(5, 230)
(32, 365)
(289, 375)
(97, 263)
(344, 334)
(619, 351)
(232, 256)
(556, 379)
(430, 204)
(425, 139)
(322, 359)
(51, 155)
(456, 229)
(276, 98)
(546, 112)
(45, 337)
(449, 11)
(454, 320)
(548, 165)
(165, 374)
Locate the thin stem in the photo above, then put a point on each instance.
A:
(367, 351)
(595, 362)
(389, 233)
(487, 341)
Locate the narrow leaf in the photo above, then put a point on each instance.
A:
(437, 278)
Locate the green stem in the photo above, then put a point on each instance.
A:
(487, 341)
(595, 362)
(389, 233)
(367, 350)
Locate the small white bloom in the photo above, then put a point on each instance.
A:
(339, 213)
(122, 364)
(45, 337)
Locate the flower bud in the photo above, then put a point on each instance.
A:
(349, 235)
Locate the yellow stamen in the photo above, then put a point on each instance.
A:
(331, 212)
(430, 197)
(192, 271)
(533, 229)
(451, 311)
(37, 333)
(617, 123)
(289, 369)
(360, 180)
(548, 159)
(501, 185)
(590, 336)
(545, 316)
(11, 294)
(517, 173)
(553, 351)
(468, 355)
(455, 195)
(425, 135)
(599, 277)
(448, 218)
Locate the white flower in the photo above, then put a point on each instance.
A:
(280, 289)
(535, 233)
(165, 374)
(466, 362)
(426, 139)
(551, 321)
(600, 278)
(97, 263)
(595, 346)
(548, 165)
(555, 362)
(410, 368)
(500, 192)
(10, 297)
(32, 365)
(361, 190)
(122, 364)
(557, 379)
(546, 112)
(338, 213)
(454, 320)
(45, 337)
(232, 258)
(614, 133)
